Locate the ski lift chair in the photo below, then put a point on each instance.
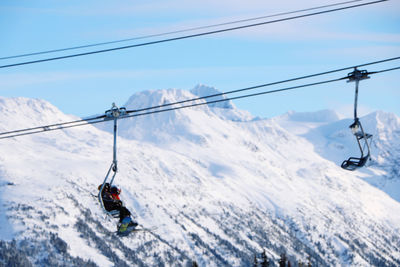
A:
(354, 162)
(112, 114)
(356, 128)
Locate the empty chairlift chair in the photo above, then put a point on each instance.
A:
(362, 138)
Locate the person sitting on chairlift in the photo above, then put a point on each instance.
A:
(112, 201)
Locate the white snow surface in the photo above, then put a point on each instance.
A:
(219, 185)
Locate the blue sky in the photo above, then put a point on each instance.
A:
(228, 61)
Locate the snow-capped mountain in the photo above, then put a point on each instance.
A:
(219, 186)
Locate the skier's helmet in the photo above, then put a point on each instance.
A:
(115, 190)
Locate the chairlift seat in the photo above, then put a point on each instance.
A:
(368, 136)
(360, 135)
(354, 163)
(114, 213)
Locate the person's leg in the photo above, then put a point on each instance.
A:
(123, 212)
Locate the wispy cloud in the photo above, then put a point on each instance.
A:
(347, 111)
(35, 79)
(314, 28)
(221, 7)
(18, 80)
(379, 51)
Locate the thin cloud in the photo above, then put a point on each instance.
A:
(347, 111)
(380, 51)
(313, 28)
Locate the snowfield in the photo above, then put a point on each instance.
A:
(219, 185)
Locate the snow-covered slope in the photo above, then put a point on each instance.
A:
(220, 186)
(333, 140)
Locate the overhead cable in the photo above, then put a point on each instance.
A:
(177, 31)
(385, 70)
(267, 84)
(187, 36)
(57, 125)
(243, 96)
(47, 128)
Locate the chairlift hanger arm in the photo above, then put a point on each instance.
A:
(114, 114)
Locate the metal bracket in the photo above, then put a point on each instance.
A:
(357, 75)
(115, 112)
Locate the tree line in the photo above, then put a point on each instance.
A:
(264, 261)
